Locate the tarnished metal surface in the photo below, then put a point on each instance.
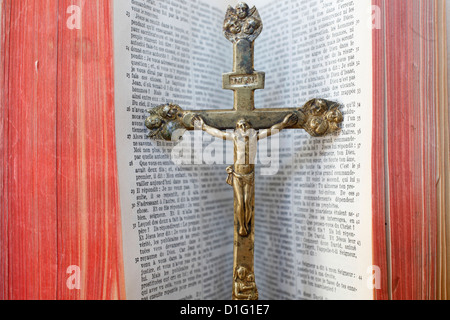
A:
(318, 117)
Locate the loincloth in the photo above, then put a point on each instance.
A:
(241, 179)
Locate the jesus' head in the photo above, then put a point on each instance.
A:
(243, 125)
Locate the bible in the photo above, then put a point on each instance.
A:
(92, 208)
(317, 232)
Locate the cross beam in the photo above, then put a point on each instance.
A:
(318, 117)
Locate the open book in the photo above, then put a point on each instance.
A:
(91, 208)
(315, 210)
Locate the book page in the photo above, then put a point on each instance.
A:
(176, 220)
(313, 233)
(313, 209)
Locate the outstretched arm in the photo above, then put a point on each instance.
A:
(199, 123)
(289, 121)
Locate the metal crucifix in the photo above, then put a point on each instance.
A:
(318, 117)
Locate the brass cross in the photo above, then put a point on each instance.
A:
(318, 117)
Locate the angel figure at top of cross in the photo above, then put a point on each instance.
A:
(242, 22)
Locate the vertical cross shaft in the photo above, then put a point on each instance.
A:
(244, 80)
(242, 26)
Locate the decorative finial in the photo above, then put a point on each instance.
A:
(242, 23)
(163, 122)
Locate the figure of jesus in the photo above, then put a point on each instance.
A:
(242, 174)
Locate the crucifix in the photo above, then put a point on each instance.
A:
(246, 125)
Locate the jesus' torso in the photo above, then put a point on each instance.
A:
(245, 147)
